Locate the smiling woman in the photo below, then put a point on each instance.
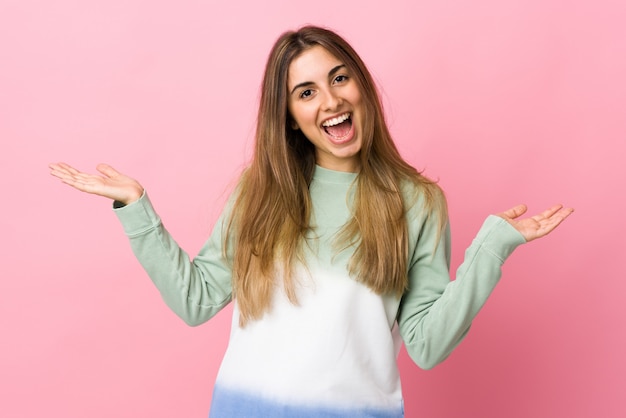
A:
(332, 248)
(325, 103)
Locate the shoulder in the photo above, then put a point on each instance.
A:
(423, 197)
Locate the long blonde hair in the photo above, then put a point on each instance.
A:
(271, 213)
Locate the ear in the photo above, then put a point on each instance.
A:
(294, 125)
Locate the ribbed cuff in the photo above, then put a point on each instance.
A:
(137, 217)
(499, 237)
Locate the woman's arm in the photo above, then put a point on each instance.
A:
(195, 290)
(435, 313)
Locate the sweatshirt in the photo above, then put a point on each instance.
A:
(333, 354)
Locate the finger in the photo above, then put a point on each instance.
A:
(546, 214)
(69, 168)
(60, 171)
(58, 168)
(560, 215)
(107, 170)
(66, 172)
(59, 174)
(514, 212)
(71, 181)
(547, 225)
(54, 168)
(72, 176)
(83, 183)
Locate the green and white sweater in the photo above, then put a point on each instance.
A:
(334, 354)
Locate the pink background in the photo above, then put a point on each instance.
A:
(503, 101)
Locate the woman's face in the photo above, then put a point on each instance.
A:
(325, 104)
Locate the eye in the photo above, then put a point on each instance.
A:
(304, 94)
(340, 79)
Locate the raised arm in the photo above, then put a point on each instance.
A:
(194, 289)
(436, 313)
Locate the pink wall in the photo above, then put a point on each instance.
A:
(504, 101)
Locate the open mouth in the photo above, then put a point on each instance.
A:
(339, 128)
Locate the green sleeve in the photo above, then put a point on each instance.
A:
(195, 290)
(436, 313)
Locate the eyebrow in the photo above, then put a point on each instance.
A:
(332, 72)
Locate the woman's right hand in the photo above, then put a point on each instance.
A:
(111, 183)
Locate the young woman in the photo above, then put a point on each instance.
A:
(332, 247)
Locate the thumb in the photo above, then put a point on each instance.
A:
(514, 212)
(107, 170)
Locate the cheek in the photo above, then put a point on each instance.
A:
(300, 118)
(356, 96)
(302, 115)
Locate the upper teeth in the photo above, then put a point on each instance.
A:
(337, 120)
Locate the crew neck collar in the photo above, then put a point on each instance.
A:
(332, 176)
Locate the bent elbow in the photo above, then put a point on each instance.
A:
(429, 352)
(192, 317)
(194, 314)
(193, 321)
(427, 361)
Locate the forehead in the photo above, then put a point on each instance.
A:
(312, 65)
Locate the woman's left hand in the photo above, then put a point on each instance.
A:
(536, 226)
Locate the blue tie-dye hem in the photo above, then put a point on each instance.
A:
(229, 404)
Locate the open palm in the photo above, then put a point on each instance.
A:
(110, 183)
(536, 226)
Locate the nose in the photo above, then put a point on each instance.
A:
(331, 101)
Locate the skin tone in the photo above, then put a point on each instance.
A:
(111, 183)
(321, 89)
